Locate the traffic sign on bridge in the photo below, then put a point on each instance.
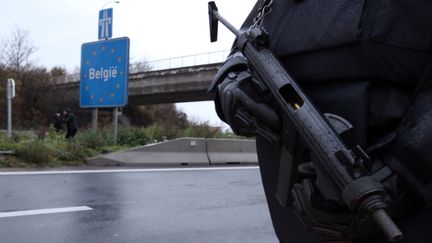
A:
(104, 73)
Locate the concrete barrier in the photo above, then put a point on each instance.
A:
(183, 151)
(231, 151)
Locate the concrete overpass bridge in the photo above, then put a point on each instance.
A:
(170, 85)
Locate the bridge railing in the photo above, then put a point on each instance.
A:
(68, 78)
(188, 61)
(161, 64)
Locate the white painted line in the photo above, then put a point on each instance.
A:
(43, 211)
(13, 173)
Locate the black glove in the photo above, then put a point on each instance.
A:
(243, 103)
(334, 221)
(330, 224)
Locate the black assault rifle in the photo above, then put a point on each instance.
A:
(339, 169)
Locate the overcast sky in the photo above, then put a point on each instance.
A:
(157, 29)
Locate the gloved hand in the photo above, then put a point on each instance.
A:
(243, 103)
(334, 221)
(330, 224)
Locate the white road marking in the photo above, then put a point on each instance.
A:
(124, 170)
(43, 211)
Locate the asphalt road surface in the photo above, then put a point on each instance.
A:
(213, 204)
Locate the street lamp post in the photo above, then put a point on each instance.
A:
(103, 7)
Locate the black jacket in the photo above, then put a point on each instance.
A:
(71, 121)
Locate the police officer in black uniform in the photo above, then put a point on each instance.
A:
(369, 62)
(71, 123)
(57, 123)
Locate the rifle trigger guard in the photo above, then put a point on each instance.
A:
(340, 124)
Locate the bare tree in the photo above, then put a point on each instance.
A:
(2, 48)
(17, 52)
(57, 71)
(139, 66)
(77, 70)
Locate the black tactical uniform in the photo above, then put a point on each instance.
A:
(57, 123)
(367, 61)
(71, 123)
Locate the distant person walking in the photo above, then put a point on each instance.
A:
(57, 122)
(71, 123)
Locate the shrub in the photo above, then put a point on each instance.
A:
(12, 162)
(204, 130)
(54, 139)
(71, 151)
(133, 136)
(5, 143)
(155, 132)
(94, 140)
(35, 152)
(24, 136)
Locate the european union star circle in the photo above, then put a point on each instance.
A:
(104, 73)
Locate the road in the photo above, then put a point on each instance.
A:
(212, 204)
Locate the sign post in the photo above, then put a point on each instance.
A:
(105, 71)
(94, 119)
(10, 96)
(115, 124)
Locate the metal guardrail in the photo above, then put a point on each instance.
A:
(189, 60)
(161, 64)
(68, 78)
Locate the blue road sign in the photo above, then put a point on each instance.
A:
(105, 23)
(104, 73)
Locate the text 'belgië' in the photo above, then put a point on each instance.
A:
(105, 74)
